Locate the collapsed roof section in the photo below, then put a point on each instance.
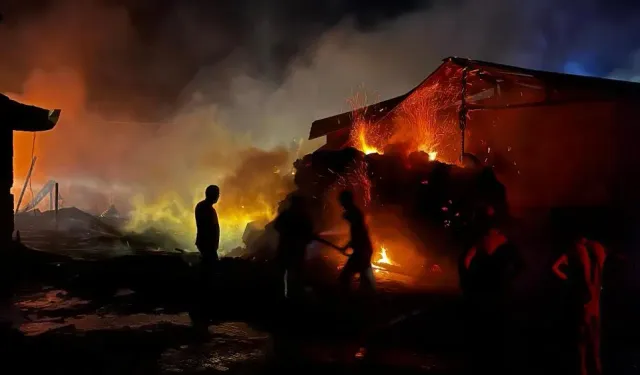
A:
(490, 86)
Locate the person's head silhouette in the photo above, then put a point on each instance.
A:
(212, 194)
(346, 199)
(297, 202)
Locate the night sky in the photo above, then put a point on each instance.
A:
(162, 44)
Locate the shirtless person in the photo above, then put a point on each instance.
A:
(584, 264)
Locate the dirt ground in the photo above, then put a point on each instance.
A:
(130, 316)
(403, 333)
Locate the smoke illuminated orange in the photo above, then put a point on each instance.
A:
(62, 89)
(174, 216)
(250, 194)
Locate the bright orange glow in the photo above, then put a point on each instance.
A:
(420, 123)
(384, 257)
(174, 215)
(382, 260)
(250, 194)
(433, 155)
(43, 89)
(364, 146)
(365, 136)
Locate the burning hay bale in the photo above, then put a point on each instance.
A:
(421, 210)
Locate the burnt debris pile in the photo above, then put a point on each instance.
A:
(76, 233)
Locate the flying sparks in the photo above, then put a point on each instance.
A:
(365, 135)
(357, 180)
(420, 123)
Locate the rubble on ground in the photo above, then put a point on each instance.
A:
(75, 233)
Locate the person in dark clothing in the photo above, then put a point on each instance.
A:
(207, 242)
(295, 229)
(208, 228)
(359, 261)
(487, 271)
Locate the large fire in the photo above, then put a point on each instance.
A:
(416, 123)
(421, 122)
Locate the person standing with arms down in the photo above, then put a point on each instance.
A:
(208, 227)
(359, 261)
(584, 265)
(207, 242)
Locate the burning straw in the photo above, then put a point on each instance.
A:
(423, 122)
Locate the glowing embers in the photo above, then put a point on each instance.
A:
(433, 155)
(357, 180)
(425, 122)
(365, 135)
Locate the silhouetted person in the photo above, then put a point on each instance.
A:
(295, 230)
(207, 241)
(208, 235)
(582, 266)
(359, 261)
(487, 270)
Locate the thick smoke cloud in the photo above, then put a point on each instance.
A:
(167, 98)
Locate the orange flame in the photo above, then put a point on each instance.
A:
(364, 146)
(384, 257)
(382, 260)
(422, 122)
(365, 136)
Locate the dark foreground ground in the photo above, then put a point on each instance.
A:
(140, 325)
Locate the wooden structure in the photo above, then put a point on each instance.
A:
(553, 139)
(16, 117)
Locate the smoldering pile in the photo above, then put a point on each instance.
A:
(79, 234)
(436, 201)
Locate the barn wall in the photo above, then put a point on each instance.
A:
(576, 154)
